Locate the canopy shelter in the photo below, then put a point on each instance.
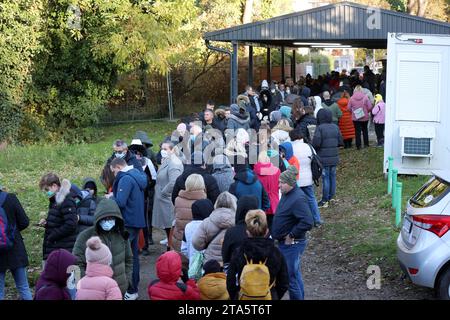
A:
(344, 24)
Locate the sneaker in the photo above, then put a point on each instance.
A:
(323, 204)
(131, 296)
(164, 241)
(318, 224)
(333, 201)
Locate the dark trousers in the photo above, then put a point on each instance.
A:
(148, 220)
(269, 221)
(379, 130)
(134, 239)
(348, 143)
(361, 127)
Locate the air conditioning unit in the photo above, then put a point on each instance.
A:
(417, 141)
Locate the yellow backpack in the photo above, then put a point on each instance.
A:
(255, 281)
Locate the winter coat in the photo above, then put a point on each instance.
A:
(238, 120)
(293, 216)
(252, 107)
(213, 286)
(167, 286)
(327, 139)
(17, 256)
(223, 173)
(85, 211)
(247, 183)
(61, 227)
(183, 214)
(379, 112)
(334, 108)
(128, 190)
(116, 240)
(130, 158)
(303, 123)
(163, 208)
(98, 284)
(359, 100)
(280, 136)
(52, 283)
(212, 189)
(290, 157)
(269, 176)
(345, 122)
(236, 235)
(303, 153)
(259, 250)
(211, 232)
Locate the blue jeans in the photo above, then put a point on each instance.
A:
(293, 256)
(328, 183)
(134, 241)
(309, 192)
(21, 280)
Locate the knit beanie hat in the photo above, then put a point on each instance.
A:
(211, 266)
(97, 252)
(289, 176)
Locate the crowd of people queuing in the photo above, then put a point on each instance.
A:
(233, 189)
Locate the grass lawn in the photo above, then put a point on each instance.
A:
(365, 221)
(22, 167)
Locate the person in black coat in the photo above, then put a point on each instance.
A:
(258, 248)
(62, 219)
(15, 259)
(326, 141)
(235, 236)
(197, 166)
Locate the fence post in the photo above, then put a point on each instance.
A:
(394, 189)
(390, 167)
(398, 205)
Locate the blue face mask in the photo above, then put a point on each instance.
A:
(107, 225)
(50, 194)
(120, 155)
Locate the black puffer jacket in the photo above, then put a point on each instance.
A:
(302, 125)
(17, 256)
(61, 228)
(258, 250)
(235, 236)
(327, 138)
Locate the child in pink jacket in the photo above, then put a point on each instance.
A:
(379, 112)
(98, 283)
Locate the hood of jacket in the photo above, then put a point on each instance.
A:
(258, 249)
(242, 99)
(223, 218)
(55, 270)
(221, 163)
(306, 92)
(192, 195)
(213, 286)
(328, 102)
(201, 209)
(240, 118)
(358, 96)
(107, 208)
(138, 176)
(288, 150)
(324, 116)
(89, 180)
(244, 204)
(168, 267)
(63, 192)
(342, 103)
(265, 169)
(246, 176)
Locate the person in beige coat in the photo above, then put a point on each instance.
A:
(195, 190)
(163, 209)
(209, 235)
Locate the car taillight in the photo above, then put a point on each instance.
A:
(437, 224)
(413, 271)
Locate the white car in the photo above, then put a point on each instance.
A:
(423, 246)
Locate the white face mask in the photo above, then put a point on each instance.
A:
(107, 225)
(164, 154)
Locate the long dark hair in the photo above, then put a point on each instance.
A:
(107, 177)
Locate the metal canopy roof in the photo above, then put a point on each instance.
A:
(345, 23)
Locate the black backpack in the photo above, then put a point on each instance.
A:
(316, 166)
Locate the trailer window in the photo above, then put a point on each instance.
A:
(433, 191)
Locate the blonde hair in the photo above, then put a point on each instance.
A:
(263, 157)
(195, 182)
(256, 222)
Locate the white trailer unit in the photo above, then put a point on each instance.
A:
(417, 129)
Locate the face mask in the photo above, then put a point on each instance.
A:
(50, 194)
(273, 90)
(164, 154)
(107, 225)
(120, 155)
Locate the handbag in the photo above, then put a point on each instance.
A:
(359, 113)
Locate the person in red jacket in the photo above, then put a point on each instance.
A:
(268, 175)
(345, 122)
(168, 285)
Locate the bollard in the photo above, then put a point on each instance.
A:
(390, 167)
(398, 204)
(394, 183)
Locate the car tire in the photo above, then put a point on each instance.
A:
(443, 285)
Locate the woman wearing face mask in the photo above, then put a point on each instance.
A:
(163, 208)
(109, 227)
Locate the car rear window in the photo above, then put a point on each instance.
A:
(433, 191)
